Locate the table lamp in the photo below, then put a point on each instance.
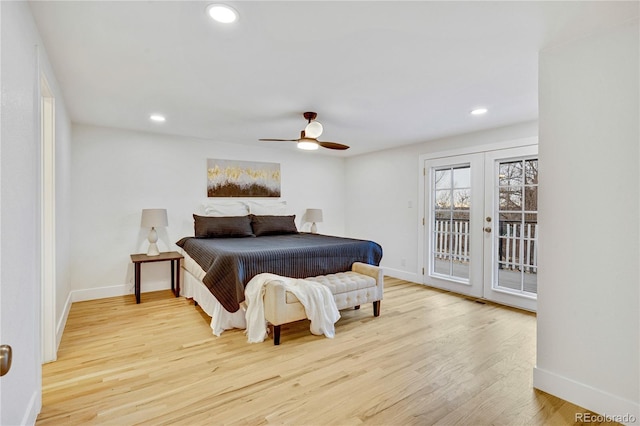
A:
(152, 218)
(314, 215)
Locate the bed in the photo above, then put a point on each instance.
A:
(226, 253)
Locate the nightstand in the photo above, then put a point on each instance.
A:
(173, 256)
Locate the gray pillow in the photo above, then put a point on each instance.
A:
(222, 227)
(273, 225)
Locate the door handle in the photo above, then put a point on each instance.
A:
(5, 359)
(487, 229)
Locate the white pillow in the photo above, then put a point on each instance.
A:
(225, 208)
(268, 208)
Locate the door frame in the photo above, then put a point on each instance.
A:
(48, 332)
(423, 202)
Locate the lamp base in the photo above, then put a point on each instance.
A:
(314, 228)
(153, 250)
(153, 247)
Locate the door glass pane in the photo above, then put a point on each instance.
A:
(443, 199)
(442, 179)
(510, 198)
(531, 198)
(462, 199)
(516, 239)
(531, 172)
(462, 177)
(510, 173)
(450, 239)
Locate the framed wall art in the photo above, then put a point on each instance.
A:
(233, 178)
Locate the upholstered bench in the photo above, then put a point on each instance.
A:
(363, 284)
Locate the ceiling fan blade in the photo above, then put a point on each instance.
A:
(309, 136)
(332, 145)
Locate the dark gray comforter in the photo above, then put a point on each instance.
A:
(230, 263)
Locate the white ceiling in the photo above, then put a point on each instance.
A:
(379, 73)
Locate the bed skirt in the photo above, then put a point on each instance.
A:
(192, 287)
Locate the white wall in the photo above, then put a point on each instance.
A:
(588, 300)
(117, 173)
(20, 389)
(382, 194)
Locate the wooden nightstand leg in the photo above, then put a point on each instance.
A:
(137, 281)
(173, 274)
(178, 278)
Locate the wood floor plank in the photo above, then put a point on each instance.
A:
(432, 357)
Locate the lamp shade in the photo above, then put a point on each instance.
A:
(152, 218)
(314, 215)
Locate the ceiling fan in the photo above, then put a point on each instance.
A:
(309, 136)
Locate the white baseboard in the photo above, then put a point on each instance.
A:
(33, 409)
(62, 322)
(115, 290)
(605, 404)
(402, 275)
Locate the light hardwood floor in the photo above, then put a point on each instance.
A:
(432, 357)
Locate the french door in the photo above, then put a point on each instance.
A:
(481, 225)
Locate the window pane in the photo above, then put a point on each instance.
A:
(510, 279)
(443, 178)
(531, 198)
(462, 199)
(531, 282)
(511, 198)
(443, 199)
(460, 269)
(531, 218)
(462, 177)
(510, 173)
(531, 172)
(441, 265)
(461, 215)
(443, 215)
(510, 217)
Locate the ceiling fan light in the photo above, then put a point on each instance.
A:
(308, 145)
(313, 129)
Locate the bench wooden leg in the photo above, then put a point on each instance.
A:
(376, 308)
(276, 334)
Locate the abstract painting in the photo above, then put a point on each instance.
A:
(232, 178)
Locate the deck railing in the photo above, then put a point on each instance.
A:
(517, 243)
(452, 240)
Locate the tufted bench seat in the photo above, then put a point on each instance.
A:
(363, 284)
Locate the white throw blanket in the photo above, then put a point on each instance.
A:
(317, 300)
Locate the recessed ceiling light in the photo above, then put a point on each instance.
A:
(222, 13)
(157, 118)
(479, 111)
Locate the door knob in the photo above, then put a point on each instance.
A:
(5, 359)
(487, 229)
